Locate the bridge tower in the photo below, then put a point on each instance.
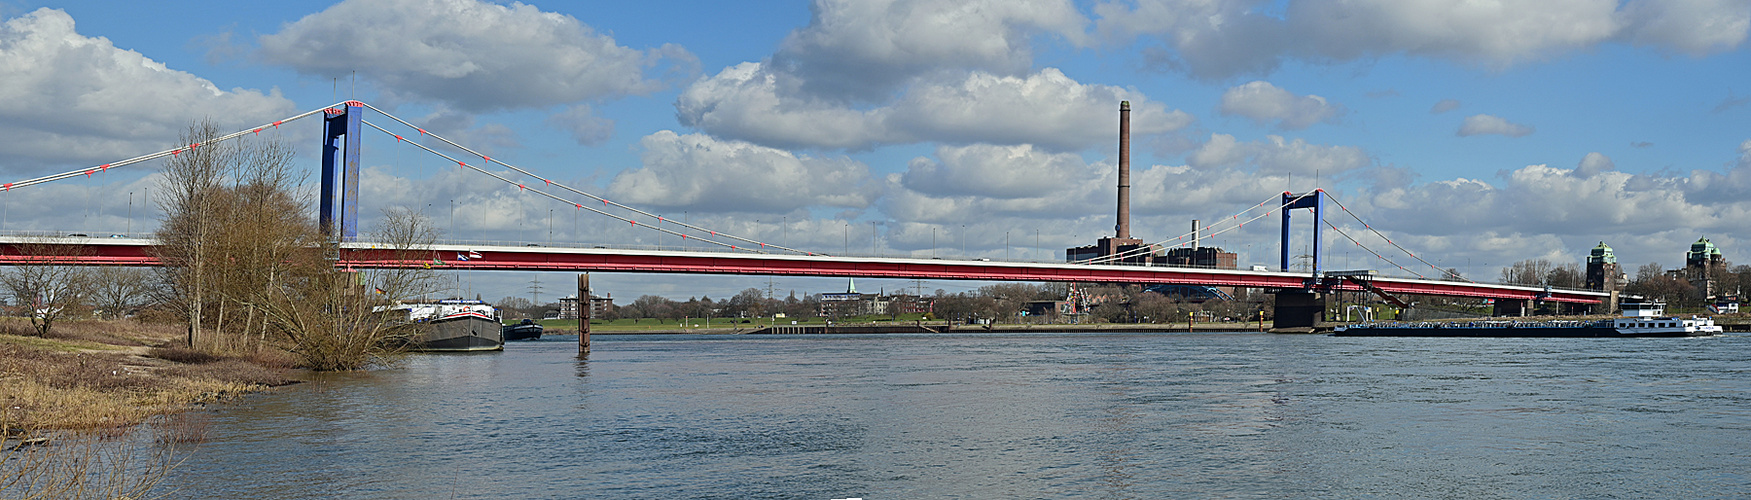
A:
(1314, 200)
(1301, 308)
(340, 172)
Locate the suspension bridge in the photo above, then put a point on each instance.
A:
(1300, 300)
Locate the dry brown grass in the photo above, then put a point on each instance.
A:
(91, 375)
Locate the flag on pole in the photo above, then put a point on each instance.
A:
(473, 254)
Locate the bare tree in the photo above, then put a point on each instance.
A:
(1566, 276)
(48, 283)
(193, 186)
(1527, 272)
(116, 290)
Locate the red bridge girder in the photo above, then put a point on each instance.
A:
(136, 252)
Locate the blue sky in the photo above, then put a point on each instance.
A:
(1473, 133)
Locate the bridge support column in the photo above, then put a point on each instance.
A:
(1298, 309)
(340, 173)
(1510, 307)
(584, 307)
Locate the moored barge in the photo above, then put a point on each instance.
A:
(454, 325)
(1639, 320)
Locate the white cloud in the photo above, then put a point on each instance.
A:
(1216, 39)
(585, 126)
(743, 102)
(1444, 105)
(1047, 109)
(1593, 164)
(994, 171)
(1539, 211)
(66, 97)
(1481, 124)
(473, 55)
(864, 49)
(1696, 27)
(1276, 155)
(489, 139)
(1265, 103)
(699, 172)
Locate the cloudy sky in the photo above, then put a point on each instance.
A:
(1474, 134)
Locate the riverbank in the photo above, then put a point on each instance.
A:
(92, 375)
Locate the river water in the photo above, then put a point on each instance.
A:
(1143, 416)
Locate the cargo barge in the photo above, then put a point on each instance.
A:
(1639, 320)
(453, 325)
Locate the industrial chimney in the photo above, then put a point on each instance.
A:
(1124, 227)
(1195, 231)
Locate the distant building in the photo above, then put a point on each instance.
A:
(599, 306)
(1603, 272)
(1048, 310)
(1205, 257)
(1130, 250)
(851, 303)
(1703, 267)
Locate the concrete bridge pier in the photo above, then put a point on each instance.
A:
(1509, 308)
(1298, 309)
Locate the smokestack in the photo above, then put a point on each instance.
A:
(1195, 244)
(1124, 228)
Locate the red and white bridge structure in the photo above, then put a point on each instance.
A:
(367, 255)
(1299, 299)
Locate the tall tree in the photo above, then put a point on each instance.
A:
(194, 185)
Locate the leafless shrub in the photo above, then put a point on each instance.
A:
(183, 428)
(77, 466)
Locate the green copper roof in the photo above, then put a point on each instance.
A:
(1602, 254)
(1702, 249)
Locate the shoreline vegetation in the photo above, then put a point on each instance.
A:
(104, 409)
(97, 375)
